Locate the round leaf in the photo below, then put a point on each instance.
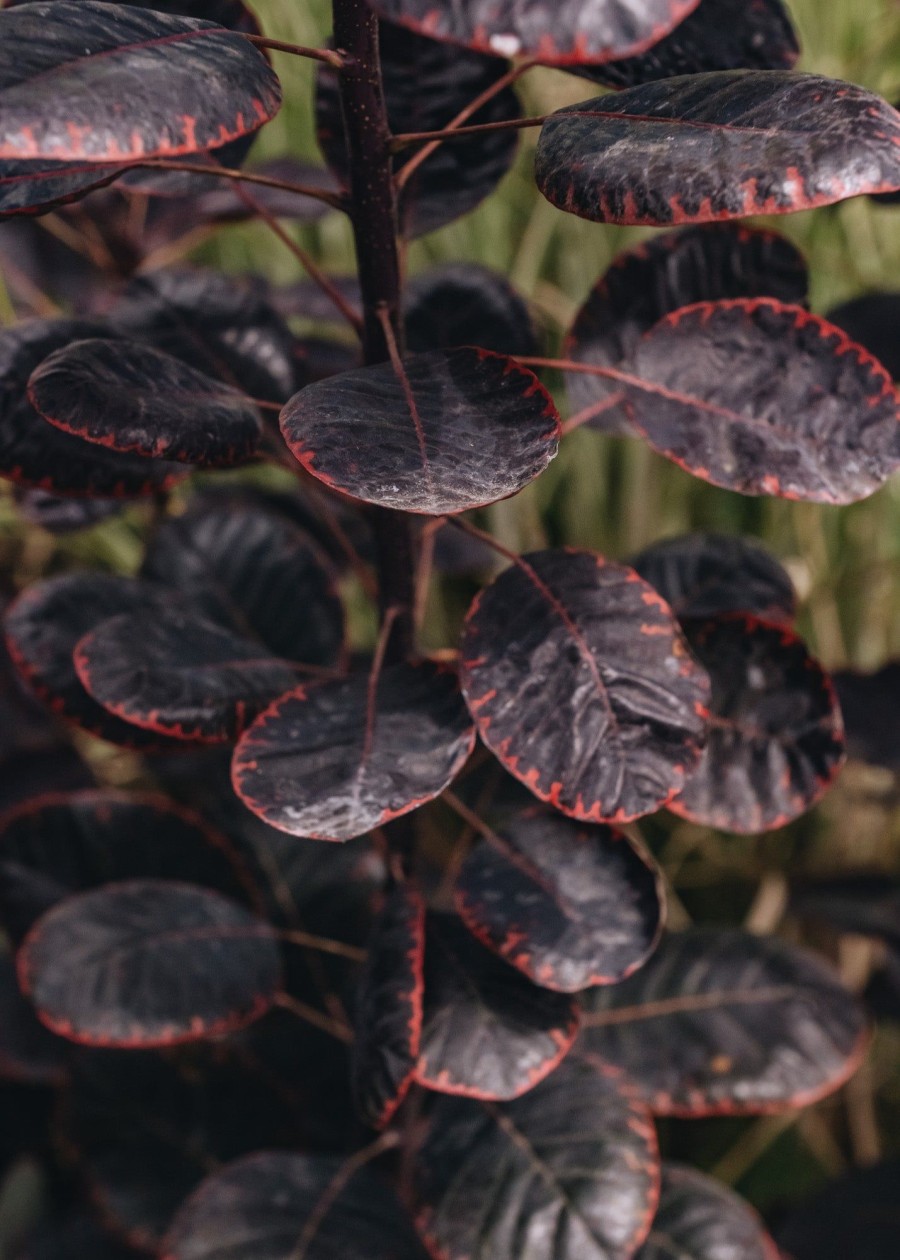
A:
(570, 34)
(775, 738)
(149, 963)
(339, 758)
(723, 1022)
(764, 398)
(459, 429)
(698, 264)
(579, 680)
(700, 1219)
(487, 1031)
(388, 1017)
(568, 1172)
(567, 904)
(137, 400)
(90, 81)
(718, 146)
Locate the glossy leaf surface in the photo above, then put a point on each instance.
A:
(697, 264)
(65, 843)
(570, 1171)
(333, 760)
(722, 1022)
(33, 453)
(557, 35)
(149, 963)
(579, 680)
(103, 83)
(487, 1031)
(462, 428)
(700, 1219)
(180, 675)
(426, 84)
(137, 400)
(764, 398)
(718, 35)
(266, 1206)
(465, 304)
(704, 575)
(718, 146)
(255, 572)
(569, 905)
(775, 738)
(388, 1012)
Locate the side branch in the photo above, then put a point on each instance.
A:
(330, 198)
(405, 138)
(327, 55)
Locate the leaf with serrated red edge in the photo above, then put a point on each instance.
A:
(700, 1219)
(718, 146)
(335, 759)
(704, 575)
(180, 675)
(388, 1015)
(108, 84)
(131, 398)
(764, 398)
(149, 963)
(254, 571)
(271, 1203)
(216, 323)
(568, 1172)
(487, 1031)
(460, 429)
(854, 1217)
(29, 1054)
(775, 741)
(871, 321)
(580, 681)
(697, 264)
(718, 35)
(62, 843)
(34, 454)
(426, 84)
(569, 905)
(44, 624)
(723, 1022)
(465, 304)
(572, 33)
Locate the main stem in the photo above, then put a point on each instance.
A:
(373, 214)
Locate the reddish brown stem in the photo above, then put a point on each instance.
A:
(327, 55)
(400, 141)
(245, 177)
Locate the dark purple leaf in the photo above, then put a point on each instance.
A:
(487, 1031)
(856, 1217)
(718, 146)
(149, 963)
(567, 904)
(871, 321)
(29, 1053)
(34, 454)
(43, 626)
(220, 325)
(700, 1219)
(232, 14)
(35, 188)
(775, 740)
(866, 903)
(63, 843)
(722, 1022)
(100, 83)
(179, 675)
(765, 398)
(388, 1016)
(718, 35)
(460, 429)
(272, 1205)
(703, 575)
(63, 516)
(336, 759)
(698, 264)
(426, 84)
(253, 571)
(465, 304)
(870, 704)
(571, 33)
(131, 398)
(580, 681)
(568, 1172)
